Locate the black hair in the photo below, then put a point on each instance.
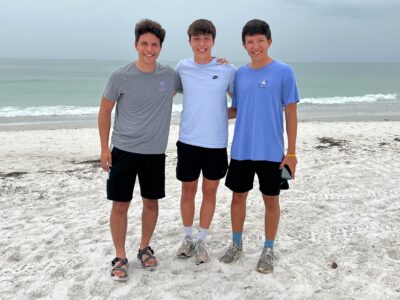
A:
(254, 27)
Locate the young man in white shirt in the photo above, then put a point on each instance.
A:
(203, 133)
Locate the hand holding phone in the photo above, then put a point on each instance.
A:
(286, 173)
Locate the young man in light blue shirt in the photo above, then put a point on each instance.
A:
(203, 133)
(264, 90)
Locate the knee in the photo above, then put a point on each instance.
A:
(120, 208)
(239, 198)
(209, 192)
(272, 203)
(189, 188)
(151, 205)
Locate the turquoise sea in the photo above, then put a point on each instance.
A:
(54, 91)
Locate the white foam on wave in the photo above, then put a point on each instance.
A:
(355, 99)
(59, 110)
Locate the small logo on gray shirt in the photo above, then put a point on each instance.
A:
(162, 87)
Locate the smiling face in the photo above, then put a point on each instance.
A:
(202, 45)
(257, 47)
(148, 48)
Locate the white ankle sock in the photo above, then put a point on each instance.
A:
(202, 234)
(188, 231)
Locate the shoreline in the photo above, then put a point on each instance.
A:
(92, 122)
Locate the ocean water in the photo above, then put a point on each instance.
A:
(57, 91)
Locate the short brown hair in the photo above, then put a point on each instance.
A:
(149, 26)
(202, 26)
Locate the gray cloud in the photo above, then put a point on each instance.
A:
(302, 30)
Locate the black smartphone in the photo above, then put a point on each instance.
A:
(286, 173)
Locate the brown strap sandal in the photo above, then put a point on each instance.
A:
(147, 251)
(119, 264)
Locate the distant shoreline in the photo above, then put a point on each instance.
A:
(92, 122)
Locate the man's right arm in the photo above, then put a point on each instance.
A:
(104, 123)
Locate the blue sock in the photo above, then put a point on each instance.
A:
(237, 238)
(269, 244)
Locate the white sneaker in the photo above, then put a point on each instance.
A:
(200, 253)
(187, 247)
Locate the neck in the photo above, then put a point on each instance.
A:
(203, 60)
(144, 67)
(257, 64)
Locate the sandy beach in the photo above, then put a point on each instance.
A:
(339, 235)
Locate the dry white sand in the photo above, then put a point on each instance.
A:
(343, 207)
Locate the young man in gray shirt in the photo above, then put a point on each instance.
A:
(143, 92)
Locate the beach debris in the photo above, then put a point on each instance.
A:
(383, 144)
(13, 174)
(94, 161)
(397, 139)
(334, 265)
(329, 142)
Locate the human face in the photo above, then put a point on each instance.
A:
(257, 47)
(201, 45)
(148, 48)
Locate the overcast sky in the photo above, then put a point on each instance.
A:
(302, 30)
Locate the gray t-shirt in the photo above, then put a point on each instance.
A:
(143, 110)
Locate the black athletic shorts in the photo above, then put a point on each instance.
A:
(241, 173)
(193, 159)
(150, 169)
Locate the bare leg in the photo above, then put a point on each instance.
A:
(188, 195)
(238, 211)
(149, 221)
(207, 210)
(118, 225)
(272, 216)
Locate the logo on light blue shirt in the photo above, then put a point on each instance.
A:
(162, 87)
(262, 84)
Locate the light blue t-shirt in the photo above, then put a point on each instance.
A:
(204, 118)
(260, 96)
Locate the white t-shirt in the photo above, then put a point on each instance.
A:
(204, 118)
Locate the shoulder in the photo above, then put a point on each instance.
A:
(121, 71)
(229, 68)
(166, 68)
(242, 69)
(284, 67)
(185, 62)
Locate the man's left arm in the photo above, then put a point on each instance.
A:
(291, 131)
